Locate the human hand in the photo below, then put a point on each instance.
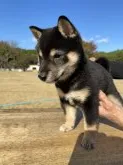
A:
(110, 110)
(106, 107)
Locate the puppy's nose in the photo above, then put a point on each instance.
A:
(42, 76)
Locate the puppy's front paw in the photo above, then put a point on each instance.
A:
(87, 144)
(88, 140)
(65, 127)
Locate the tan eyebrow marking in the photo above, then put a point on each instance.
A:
(73, 57)
(56, 51)
(53, 52)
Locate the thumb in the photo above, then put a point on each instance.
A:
(105, 101)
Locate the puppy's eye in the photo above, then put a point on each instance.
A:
(57, 56)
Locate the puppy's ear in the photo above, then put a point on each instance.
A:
(66, 28)
(37, 32)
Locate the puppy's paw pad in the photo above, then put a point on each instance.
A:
(65, 128)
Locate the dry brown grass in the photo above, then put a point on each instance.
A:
(25, 86)
(30, 135)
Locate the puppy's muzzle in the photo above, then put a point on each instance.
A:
(42, 76)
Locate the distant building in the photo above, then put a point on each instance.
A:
(33, 67)
(92, 58)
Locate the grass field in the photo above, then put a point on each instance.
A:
(29, 134)
(26, 87)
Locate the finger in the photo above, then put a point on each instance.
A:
(101, 111)
(107, 105)
(100, 103)
(102, 95)
(106, 102)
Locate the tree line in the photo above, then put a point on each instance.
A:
(116, 55)
(11, 56)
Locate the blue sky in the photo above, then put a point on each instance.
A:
(97, 20)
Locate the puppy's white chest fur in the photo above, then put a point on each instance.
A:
(78, 95)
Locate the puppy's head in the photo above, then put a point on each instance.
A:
(59, 49)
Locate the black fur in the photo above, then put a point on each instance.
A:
(104, 62)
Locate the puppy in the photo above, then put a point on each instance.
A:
(77, 80)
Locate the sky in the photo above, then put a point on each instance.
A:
(100, 21)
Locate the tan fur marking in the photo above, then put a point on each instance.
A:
(40, 53)
(61, 31)
(73, 35)
(49, 76)
(114, 100)
(36, 33)
(66, 36)
(53, 52)
(73, 58)
(60, 92)
(80, 95)
(89, 127)
(70, 115)
(70, 119)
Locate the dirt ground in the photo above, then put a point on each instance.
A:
(30, 133)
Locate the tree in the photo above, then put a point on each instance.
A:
(33, 58)
(89, 48)
(8, 55)
(23, 61)
(113, 56)
(13, 57)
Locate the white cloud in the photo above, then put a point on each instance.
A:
(102, 40)
(99, 39)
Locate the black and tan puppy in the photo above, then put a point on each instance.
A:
(78, 80)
